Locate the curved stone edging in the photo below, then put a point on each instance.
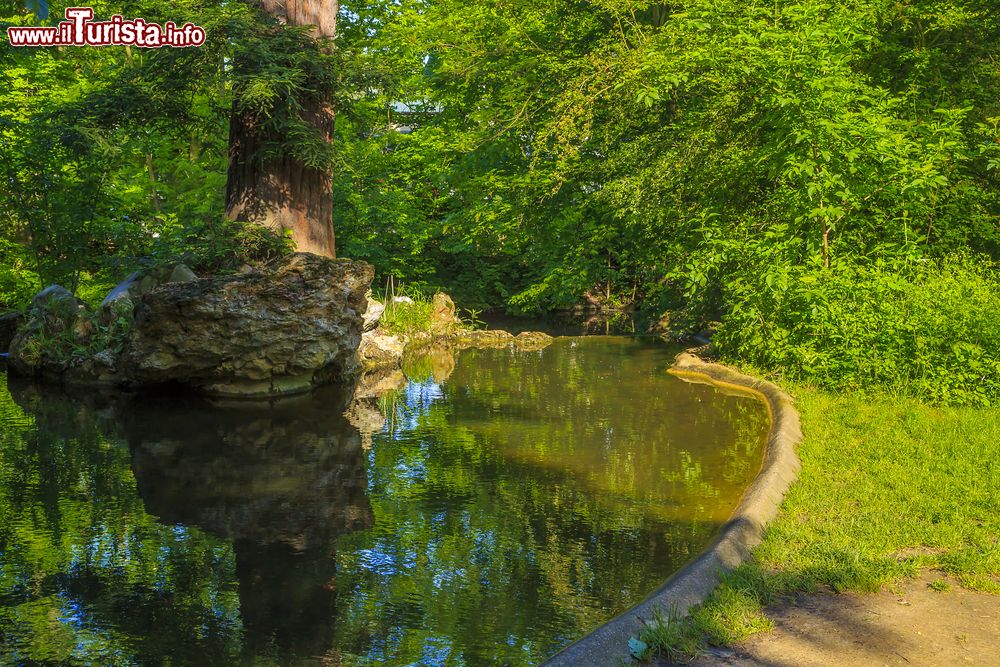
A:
(692, 584)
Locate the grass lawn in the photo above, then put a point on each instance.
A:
(888, 485)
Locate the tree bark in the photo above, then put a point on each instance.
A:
(284, 194)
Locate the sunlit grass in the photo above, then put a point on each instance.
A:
(888, 486)
(406, 317)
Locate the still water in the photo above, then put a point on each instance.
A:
(485, 509)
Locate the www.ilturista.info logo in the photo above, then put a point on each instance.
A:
(79, 30)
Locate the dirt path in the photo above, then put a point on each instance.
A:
(915, 625)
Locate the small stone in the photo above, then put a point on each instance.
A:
(373, 313)
(120, 302)
(106, 359)
(379, 350)
(443, 317)
(83, 329)
(534, 340)
(181, 274)
(147, 284)
(122, 289)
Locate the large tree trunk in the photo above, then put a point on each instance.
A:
(284, 194)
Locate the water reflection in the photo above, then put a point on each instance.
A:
(481, 510)
(281, 484)
(276, 484)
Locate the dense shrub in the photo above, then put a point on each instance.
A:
(927, 328)
(217, 245)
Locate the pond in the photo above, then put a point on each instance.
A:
(488, 508)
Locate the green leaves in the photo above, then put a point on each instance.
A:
(926, 328)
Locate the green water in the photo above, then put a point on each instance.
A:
(489, 509)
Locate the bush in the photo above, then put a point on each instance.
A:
(217, 245)
(930, 328)
(18, 283)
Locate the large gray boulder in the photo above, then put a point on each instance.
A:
(261, 333)
(278, 331)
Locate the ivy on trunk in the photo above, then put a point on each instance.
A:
(273, 179)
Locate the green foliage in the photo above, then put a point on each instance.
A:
(18, 283)
(217, 245)
(557, 150)
(673, 156)
(64, 341)
(530, 156)
(929, 328)
(114, 155)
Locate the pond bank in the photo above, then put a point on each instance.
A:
(609, 644)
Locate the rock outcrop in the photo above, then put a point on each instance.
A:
(380, 350)
(265, 333)
(283, 330)
(373, 314)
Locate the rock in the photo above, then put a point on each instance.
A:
(265, 333)
(9, 323)
(120, 302)
(532, 340)
(486, 338)
(57, 301)
(373, 314)
(146, 284)
(83, 329)
(126, 289)
(106, 359)
(495, 338)
(181, 274)
(255, 334)
(443, 317)
(43, 344)
(380, 350)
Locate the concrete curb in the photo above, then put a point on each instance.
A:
(692, 584)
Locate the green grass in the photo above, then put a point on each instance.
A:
(406, 318)
(889, 485)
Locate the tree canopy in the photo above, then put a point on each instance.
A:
(723, 161)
